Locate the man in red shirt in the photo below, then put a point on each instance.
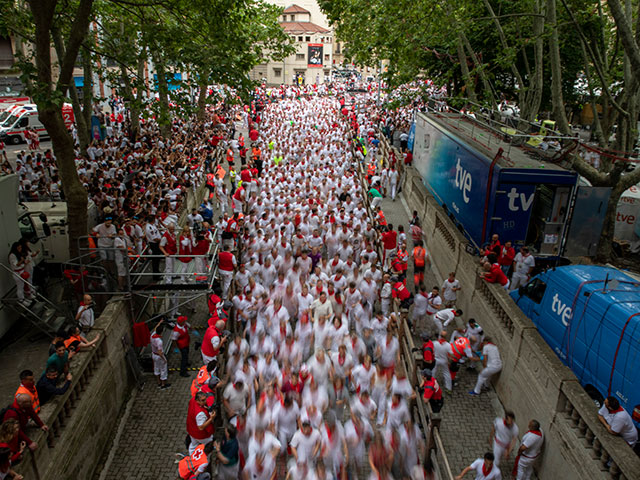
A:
(505, 259)
(494, 274)
(390, 242)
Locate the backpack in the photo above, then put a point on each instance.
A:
(4, 411)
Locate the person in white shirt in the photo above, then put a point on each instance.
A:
(504, 433)
(321, 308)
(306, 443)
(485, 469)
(523, 266)
(617, 421)
(529, 450)
(450, 288)
(491, 362)
(444, 317)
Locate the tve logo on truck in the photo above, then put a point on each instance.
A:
(590, 316)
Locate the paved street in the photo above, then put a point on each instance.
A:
(466, 420)
(155, 427)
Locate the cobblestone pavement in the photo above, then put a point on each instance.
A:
(156, 426)
(466, 420)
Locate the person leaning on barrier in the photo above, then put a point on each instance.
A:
(430, 390)
(617, 421)
(228, 454)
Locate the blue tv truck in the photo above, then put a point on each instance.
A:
(490, 186)
(590, 316)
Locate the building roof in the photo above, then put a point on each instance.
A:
(302, 27)
(295, 9)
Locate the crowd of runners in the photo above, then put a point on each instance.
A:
(300, 373)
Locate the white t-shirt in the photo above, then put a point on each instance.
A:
(533, 443)
(621, 423)
(523, 264)
(490, 351)
(504, 435)
(494, 474)
(447, 290)
(304, 444)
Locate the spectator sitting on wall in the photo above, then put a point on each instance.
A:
(48, 385)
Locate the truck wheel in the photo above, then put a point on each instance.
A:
(15, 140)
(595, 395)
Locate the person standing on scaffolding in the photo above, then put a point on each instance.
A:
(152, 234)
(169, 248)
(105, 233)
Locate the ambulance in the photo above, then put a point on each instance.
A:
(13, 128)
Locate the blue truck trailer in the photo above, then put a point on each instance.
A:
(489, 185)
(590, 316)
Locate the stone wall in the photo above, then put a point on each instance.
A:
(533, 382)
(82, 420)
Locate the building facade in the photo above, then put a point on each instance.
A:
(313, 60)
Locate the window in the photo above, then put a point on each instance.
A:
(535, 290)
(307, 39)
(277, 72)
(24, 121)
(338, 47)
(327, 57)
(299, 56)
(293, 18)
(299, 39)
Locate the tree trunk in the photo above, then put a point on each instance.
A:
(74, 192)
(164, 120)
(468, 82)
(202, 97)
(84, 137)
(87, 88)
(81, 125)
(556, 71)
(48, 100)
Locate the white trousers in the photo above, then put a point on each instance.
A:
(168, 269)
(525, 467)
(484, 376)
(375, 202)
(394, 189)
(226, 278)
(517, 280)
(195, 442)
(446, 374)
(498, 452)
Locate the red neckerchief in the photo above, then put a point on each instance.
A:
(485, 471)
(614, 411)
(538, 432)
(395, 405)
(341, 359)
(329, 433)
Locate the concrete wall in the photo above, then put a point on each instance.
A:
(533, 382)
(81, 421)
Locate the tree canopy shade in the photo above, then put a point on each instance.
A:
(212, 41)
(552, 57)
